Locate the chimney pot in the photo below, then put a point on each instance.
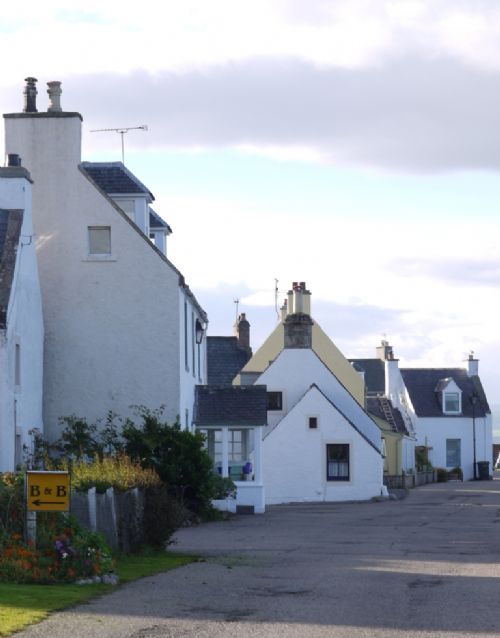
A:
(30, 94)
(13, 159)
(54, 90)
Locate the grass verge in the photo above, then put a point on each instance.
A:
(22, 605)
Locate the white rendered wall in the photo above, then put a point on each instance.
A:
(293, 372)
(193, 371)
(21, 405)
(294, 457)
(433, 432)
(111, 325)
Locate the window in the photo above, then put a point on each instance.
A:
(337, 462)
(453, 453)
(313, 422)
(186, 356)
(17, 365)
(275, 401)
(451, 402)
(99, 240)
(193, 340)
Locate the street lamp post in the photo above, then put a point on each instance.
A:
(474, 398)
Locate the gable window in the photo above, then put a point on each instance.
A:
(275, 401)
(451, 402)
(99, 240)
(313, 422)
(337, 462)
(453, 455)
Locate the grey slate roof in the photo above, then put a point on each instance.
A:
(155, 221)
(230, 405)
(225, 359)
(374, 374)
(114, 178)
(374, 407)
(10, 232)
(422, 383)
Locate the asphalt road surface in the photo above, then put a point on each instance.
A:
(425, 566)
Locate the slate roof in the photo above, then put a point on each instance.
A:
(10, 232)
(225, 359)
(374, 370)
(155, 221)
(374, 407)
(422, 383)
(230, 405)
(114, 178)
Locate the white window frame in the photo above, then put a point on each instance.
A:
(96, 256)
(450, 393)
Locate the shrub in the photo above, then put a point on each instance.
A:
(120, 472)
(163, 514)
(442, 475)
(178, 456)
(224, 487)
(456, 473)
(12, 510)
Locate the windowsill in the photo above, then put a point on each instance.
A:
(99, 258)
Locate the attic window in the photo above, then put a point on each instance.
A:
(99, 240)
(451, 403)
(275, 401)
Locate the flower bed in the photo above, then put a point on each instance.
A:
(65, 552)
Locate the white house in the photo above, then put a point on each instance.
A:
(319, 444)
(122, 328)
(21, 325)
(446, 409)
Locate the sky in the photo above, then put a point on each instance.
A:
(350, 144)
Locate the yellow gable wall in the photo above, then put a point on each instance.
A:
(326, 350)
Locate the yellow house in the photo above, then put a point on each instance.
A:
(299, 301)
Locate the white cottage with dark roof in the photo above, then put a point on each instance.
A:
(21, 324)
(122, 328)
(444, 409)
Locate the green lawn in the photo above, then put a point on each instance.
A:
(22, 605)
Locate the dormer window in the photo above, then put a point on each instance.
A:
(450, 396)
(451, 402)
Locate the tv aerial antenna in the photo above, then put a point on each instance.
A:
(121, 131)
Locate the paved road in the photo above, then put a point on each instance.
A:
(426, 566)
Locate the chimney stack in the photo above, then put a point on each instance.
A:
(30, 94)
(242, 332)
(472, 365)
(299, 299)
(54, 92)
(384, 351)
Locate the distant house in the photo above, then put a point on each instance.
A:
(445, 410)
(396, 426)
(21, 323)
(122, 328)
(226, 356)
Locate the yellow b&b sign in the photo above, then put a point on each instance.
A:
(47, 491)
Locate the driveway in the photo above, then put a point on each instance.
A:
(425, 566)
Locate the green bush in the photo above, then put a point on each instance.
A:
(178, 456)
(163, 514)
(12, 509)
(442, 475)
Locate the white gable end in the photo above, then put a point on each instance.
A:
(295, 370)
(295, 456)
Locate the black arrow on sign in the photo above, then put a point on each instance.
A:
(38, 502)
